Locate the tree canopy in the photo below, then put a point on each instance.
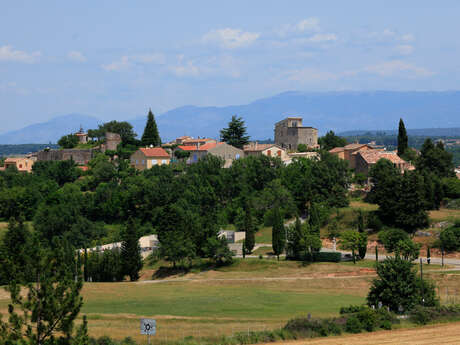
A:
(151, 135)
(235, 133)
(331, 140)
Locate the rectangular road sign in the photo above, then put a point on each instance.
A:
(148, 326)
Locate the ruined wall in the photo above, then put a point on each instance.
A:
(81, 157)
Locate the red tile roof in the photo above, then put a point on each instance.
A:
(154, 152)
(373, 156)
(208, 146)
(187, 148)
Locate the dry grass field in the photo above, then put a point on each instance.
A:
(445, 334)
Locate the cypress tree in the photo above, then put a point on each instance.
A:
(250, 229)
(131, 258)
(151, 135)
(278, 233)
(402, 139)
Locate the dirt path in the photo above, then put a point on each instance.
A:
(427, 335)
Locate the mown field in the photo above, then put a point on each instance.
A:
(251, 294)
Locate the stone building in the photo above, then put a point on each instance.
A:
(349, 152)
(112, 140)
(270, 150)
(82, 136)
(22, 164)
(290, 132)
(227, 152)
(147, 157)
(366, 159)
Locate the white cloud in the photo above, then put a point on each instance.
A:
(229, 38)
(76, 56)
(7, 53)
(323, 38)
(404, 49)
(397, 67)
(407, 38)
(310, 24)
(129, 60)
(214, 66)
(123, 63)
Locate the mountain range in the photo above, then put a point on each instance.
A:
(339, 111)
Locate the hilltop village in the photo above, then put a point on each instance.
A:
(237, 215)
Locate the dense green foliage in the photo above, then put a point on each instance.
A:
(435, 159)
(449, 239)
(403, 198)
(403, 141)
(68, 141)
(278, 233)
(151, 135)
(185, 205)
(235, 133)
(45, 314)
(399, 288)
(131, 259)
(331, 140)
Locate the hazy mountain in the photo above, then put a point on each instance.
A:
(423, 132)
(50, 131)
(339, 111)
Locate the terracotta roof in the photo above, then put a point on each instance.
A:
(196, 141)
(337, 149)
(373, 156)
(208, 146)
(258, 147)
(187, 148)
(154, 152)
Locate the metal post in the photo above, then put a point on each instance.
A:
(421, 277)
(442, 256)
(148, 338)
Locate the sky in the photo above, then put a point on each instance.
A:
(116, 59)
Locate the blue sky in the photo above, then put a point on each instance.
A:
(115, 59)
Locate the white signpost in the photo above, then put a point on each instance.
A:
(148, 327)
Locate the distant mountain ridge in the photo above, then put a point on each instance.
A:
(339, 111)
(422, 132)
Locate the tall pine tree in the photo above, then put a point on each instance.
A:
(235, 134)
(151, 135)
(403, 144)
(131, 258)
(278, 233)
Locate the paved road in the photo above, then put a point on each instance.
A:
(434, 260)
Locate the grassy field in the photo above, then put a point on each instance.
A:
(445, 214)
(222, 301)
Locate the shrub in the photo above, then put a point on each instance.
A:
(374, 222)
(327, 257)
(352, 309)
(353, 325)
(391, 237)
(368, 319)
(453, 204)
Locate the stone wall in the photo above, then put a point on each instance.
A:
(290, 137)
(81, 157)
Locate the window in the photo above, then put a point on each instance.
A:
(294, 123)
(137, 161)
(237, 156)
(20, 166)
(195, 157)
(143, 162)
(154, 162)
(279, 153)
(163, 161)
(269, 153)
